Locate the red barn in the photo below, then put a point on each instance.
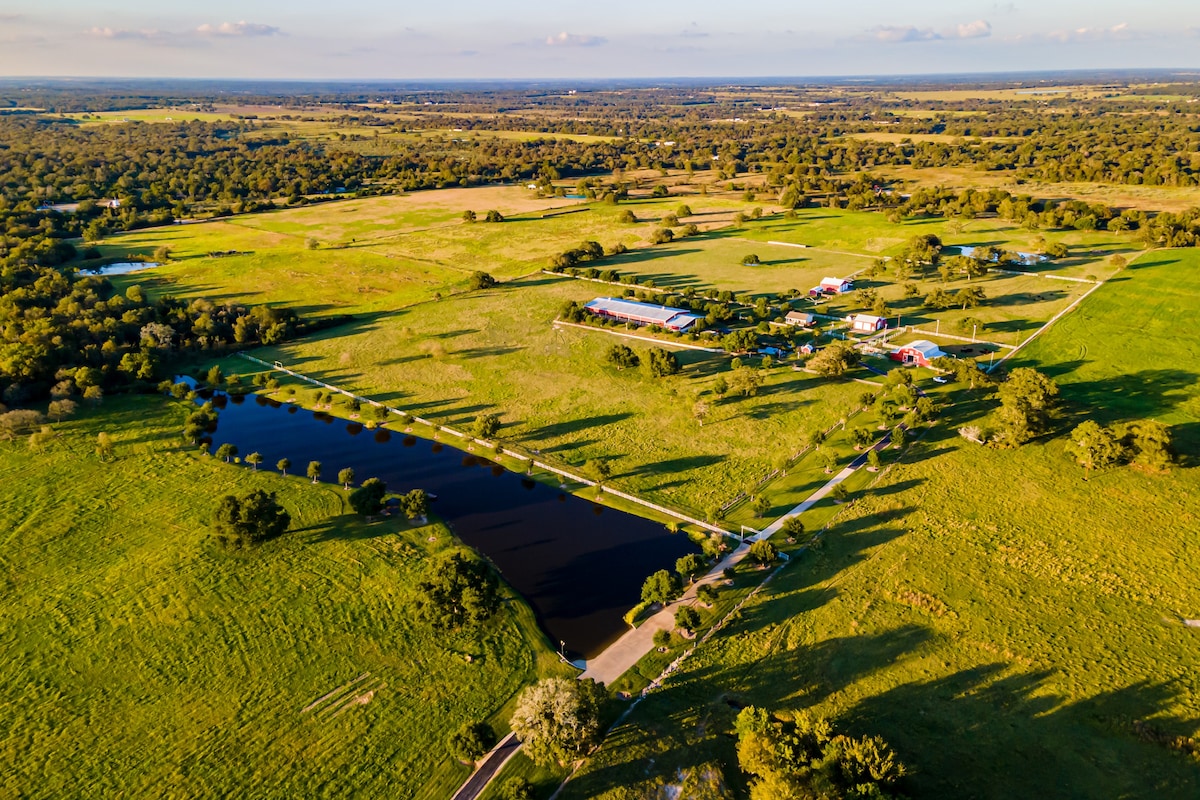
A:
(920, 353)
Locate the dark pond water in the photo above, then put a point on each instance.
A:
(580, 565)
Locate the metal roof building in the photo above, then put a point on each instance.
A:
(674, 319)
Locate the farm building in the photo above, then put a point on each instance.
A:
(800, 318)
(672, 319)
(836, 285)
(867, 323)
(920, 352)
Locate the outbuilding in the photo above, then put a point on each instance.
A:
(920, 352)
(836, 285)
(867, 323)
(673, 319)
(800, 318)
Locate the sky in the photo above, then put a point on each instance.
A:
(571, 39)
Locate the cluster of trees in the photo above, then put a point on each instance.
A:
(558, 719)
(69, 333)
(458, 590)
(659, 361)
(806, 757)
(1144, 443)
(248, 520)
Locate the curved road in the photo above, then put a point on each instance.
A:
(487, 770)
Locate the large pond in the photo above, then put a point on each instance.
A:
(580, 565)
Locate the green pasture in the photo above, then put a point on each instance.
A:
(497, 352)
(144, 659)
(1012, 629)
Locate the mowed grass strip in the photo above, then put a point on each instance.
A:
(142, 659)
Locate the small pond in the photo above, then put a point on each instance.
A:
(580, 565)
(122, 268)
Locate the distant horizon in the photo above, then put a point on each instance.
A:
(554, 40)
(648, 81)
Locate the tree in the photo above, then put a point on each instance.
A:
(763, 552)
(706, 593)
(283, 465)
(469, 743)
(700, 411)
(468, 216)
(215, 377)
(251, 519)
(485, 426)
(493, 216)
(687, 619)
(1149, 443)
(458, 589)
(792, 528)
(254, 459)
(345, 478)
(751, 260)
(662, 587)
(873, 462)
(689, 566)
(662, 362)
(939, 298)
(516, 788)
(480, 280)
(415, 504)
(622, 356)
(104, 446)
(558, 719)
(60, 409)
(745, 381)
(807, 758)
(760, 504)
(1095, 446)
(662, 236)
(661, 639)
(314, 470)
(861, 437)
(627, 216)
(1027, 402)
(227, 451)
(367, 500)
(969, 297)
(598, 469)
(834, 360)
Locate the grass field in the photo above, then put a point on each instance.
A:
(497, 352)
(1013, 630)
(142, 659)
(385, 252)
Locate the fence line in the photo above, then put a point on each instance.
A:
(667, 342)
(520, 457)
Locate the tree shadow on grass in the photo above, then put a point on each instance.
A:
(347, 527)
(675, 466)
(984, 724)
(557, 429)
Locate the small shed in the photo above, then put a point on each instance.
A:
(800, 318)
(920, 352)
(836, 285)
(867, 323)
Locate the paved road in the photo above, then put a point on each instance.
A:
(487, 770)
(622, 654)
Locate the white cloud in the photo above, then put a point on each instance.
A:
(565, 39)
(243, 28)
(1119, 32)
(979, 29)
(903, 34)
(126, 34)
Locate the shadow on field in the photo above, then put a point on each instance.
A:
(1138, 395)
(674, 466)
(1026, 740)
(569, 427)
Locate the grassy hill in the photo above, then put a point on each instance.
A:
(141, 659)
